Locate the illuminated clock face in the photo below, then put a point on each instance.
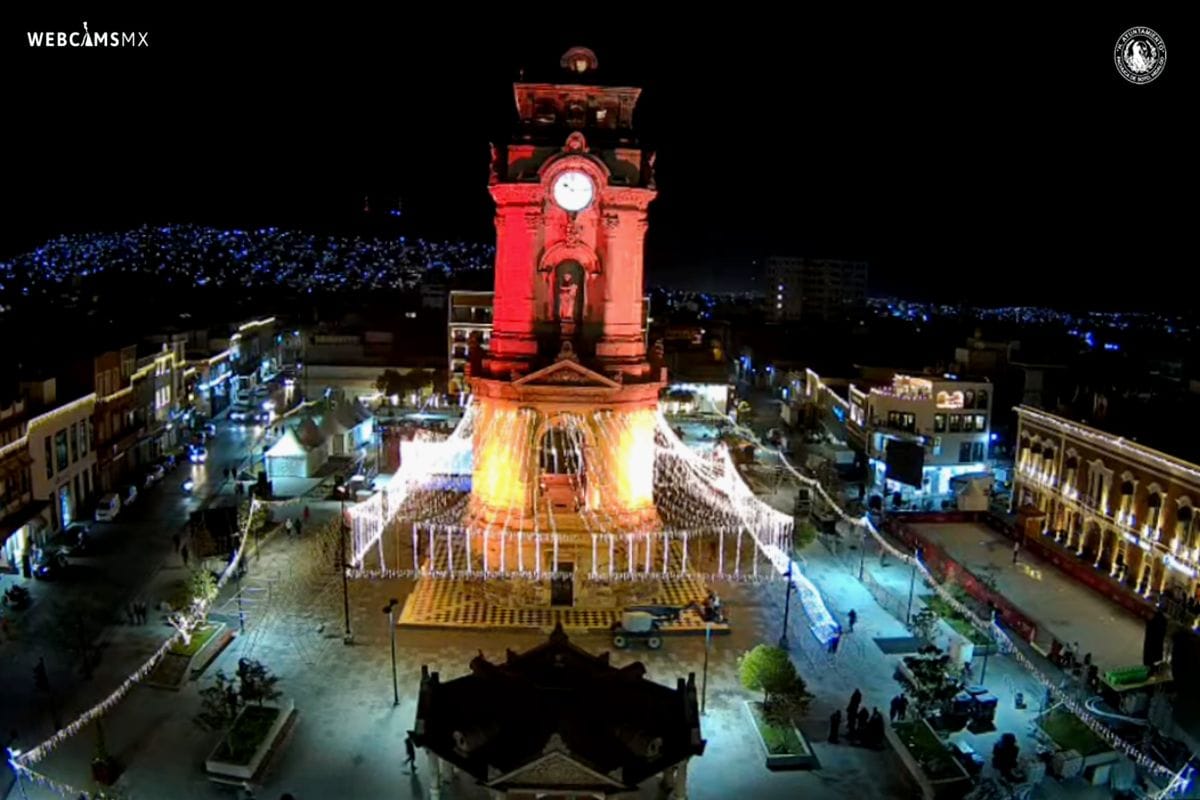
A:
(573, 191)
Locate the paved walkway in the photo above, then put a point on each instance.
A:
(1064, 608)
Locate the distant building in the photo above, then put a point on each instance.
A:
(1114, 504)
(24, 519)
(813, 288)
(559, 722)
(947, 418)
(470, 314)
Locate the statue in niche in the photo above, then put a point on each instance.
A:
(567, 291)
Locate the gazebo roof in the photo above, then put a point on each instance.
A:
(558, 710)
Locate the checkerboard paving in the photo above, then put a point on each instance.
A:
(487, 604)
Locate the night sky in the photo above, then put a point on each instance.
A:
(965, 158)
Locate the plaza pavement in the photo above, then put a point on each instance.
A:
(1065, 608)
(348, 739)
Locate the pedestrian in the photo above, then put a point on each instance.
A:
(306, 513)
(175, 538)
(287, 527)
(4, 628)
(143, 612)
(903, 705)
(183, 553)
(835, 724)
(894, 708)
(834, 641)
(874, 727)
(861, 724)
(410, 752)
(1016, 550)
(852, 618)
(129, 614)
(852, 713)
(297, 528)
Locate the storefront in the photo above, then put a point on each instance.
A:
(21, 533)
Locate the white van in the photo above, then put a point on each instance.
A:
(107, 508)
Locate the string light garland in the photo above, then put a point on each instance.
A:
(1176, 783)
(185, 622)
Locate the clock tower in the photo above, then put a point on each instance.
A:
(567, 397)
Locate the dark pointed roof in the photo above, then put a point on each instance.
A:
(556, 701)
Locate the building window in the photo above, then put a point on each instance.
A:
(981, 422)
(981, 399)
(1153, 511)
(956, 423)
(939, 423)
(60, 449)
(977, 451)
(49, 458)
(964, 453)
(73, 437)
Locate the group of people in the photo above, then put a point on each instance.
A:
(137, 612)
(711, 609)
(862, 727)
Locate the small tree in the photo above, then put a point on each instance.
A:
(932, 686)
(257, 684)
(202, 587)
(74, 629)
(924, 624)
(220, 703)
(805, 534)
(770, 670)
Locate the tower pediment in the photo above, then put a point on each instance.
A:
(557, 770)
(567, 372)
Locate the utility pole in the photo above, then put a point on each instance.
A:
(787, 603)
(390, 610)
(348, 638)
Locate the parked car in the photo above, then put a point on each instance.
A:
(128, 495)
(198, 454)
(108, 507)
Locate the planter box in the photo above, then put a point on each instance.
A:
(950, 781)
(209, 652)
(226, 769)
(800, 756)
(176, 667)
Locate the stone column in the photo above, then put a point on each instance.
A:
(435, 780)
(666, 781)
(681, 788)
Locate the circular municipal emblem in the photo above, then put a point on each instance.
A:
(1140, 55)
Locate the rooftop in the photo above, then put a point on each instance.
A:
(557, 699)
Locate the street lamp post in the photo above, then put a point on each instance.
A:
(349, 637)
(390, 610)
(787, 604)
(862, 554)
